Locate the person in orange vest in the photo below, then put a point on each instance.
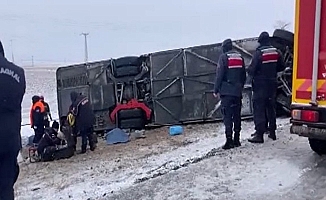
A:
(37, 118)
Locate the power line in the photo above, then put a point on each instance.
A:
(86, 50)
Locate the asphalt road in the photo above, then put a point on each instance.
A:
(285, 169)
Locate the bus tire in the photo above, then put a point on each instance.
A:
(284, 35)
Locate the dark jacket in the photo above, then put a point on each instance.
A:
(82, 110)
(12, 90)
(230, 74)
(267, 61)
(37, 113)
(50, 138)
(47, 110)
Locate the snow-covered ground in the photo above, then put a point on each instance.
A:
(188, 166)
(111, 169)
(285, 169)
(39, 81)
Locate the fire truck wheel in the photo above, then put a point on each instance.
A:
(318, 146)
(284, 34)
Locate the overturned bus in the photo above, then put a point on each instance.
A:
(162, 88)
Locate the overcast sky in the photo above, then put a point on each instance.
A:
(50, 31)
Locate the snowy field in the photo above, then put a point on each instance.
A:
(188, 166)
(40, 81)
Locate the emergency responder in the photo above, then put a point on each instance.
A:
(230, 80)
(84, 119)
(12, 90)
(37, 118)
(67, 131)
(71, 122)
(47, 146)
(266, 62)
(47, 112)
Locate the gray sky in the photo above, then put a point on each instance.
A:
(50, 30)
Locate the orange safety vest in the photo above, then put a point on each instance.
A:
(37, 104)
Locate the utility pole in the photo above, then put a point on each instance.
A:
(12, 52)
(86, 50)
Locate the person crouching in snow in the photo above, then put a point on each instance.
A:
(48, 144)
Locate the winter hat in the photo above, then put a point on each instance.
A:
(55, 125)
(227, 45)
(263, 38)
(35, 99)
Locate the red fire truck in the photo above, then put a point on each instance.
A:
(308, 109)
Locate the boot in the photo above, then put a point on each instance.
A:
(74, 137)
(272, 135)
(92, 143)
(83, 149)
(92, 147)
(257, 138)
(252, 135)
(236, 141)
(228, 144)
